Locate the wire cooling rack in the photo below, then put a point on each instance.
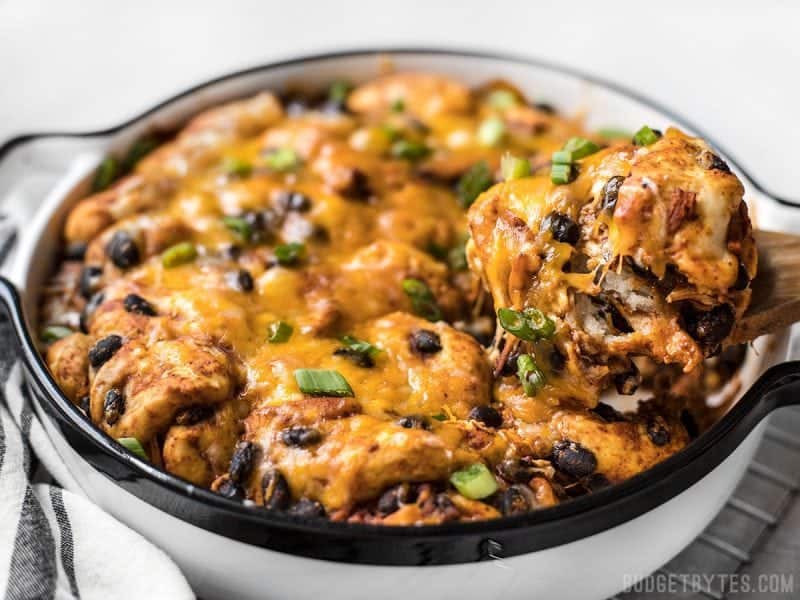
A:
(752, 548)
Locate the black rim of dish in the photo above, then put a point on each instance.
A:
(409, 545)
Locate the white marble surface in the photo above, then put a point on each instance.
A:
(732, 67)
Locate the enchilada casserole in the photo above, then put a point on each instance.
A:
(403, 302)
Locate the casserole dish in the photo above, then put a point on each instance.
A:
(221, 544)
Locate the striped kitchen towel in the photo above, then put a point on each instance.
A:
(54, 543)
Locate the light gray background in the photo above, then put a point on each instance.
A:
(732, 67)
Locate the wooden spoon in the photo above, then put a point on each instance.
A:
(775, 303)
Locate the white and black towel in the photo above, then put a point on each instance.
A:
(54, 543)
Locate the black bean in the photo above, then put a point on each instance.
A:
(742, 278)
(516, 470)
(231, 489)
(557, 360)
(425, 341)
(358, 188)
(85, 404)
(242, 461)
(306, 509)
(510, 366)
(710, 327)
(658, 431)
(413, 422)
(113, 406)
(134, 303)
(103, 350)
(486, 415)
(611, 191)
(608, 413)
(563, 228)
(362, 359)
(627, 382)
(294, 202)
(122, 250)
(276, 491)
(90, 280)
(596, 482)
(445, 507)
(75, 251)
(393, 498)
(241, 280)
(192, 415)
(573, 459)
(300, 436)
(89, 309)
(232, 252)
(516, 500)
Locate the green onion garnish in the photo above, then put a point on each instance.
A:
(409, 150)
(580, 147)
(290, 254)
(281, 159)
(423, 303)
(52, 333)
(561, 174)
(645, 136)
(133, 445)
(338, 91)
(360, 346)
(530, 324)
(457, 257)
(179, 254)
(439, 417)
(398, 105)
(279, 332)
(514, 167)
(562, 157)
(530, 375)
(138, 150)
(106, 174)
(474, 482)
(502, 99)
(614, 133)
(473, 183)
(236, 166)
(491, 131)
(322, 382)
(240, 226)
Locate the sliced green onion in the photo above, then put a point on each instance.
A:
(240, 226)
(290, 254)
(457, 257)
(236, 166)
(360, 346)
(391, 132)
(530, 375)
(614, 133)
(133, 445)
(106, 174)
(423, 303)
(436, 251)
(138, 150)
(338, 91)
(514, 167)
(474, 482)
(530, 324)
(281, 159)
(502, 99)
(279, 332)
(439, 417)
(491, 131)
(473, 183)
(53, 333)
(645, 136)
(580, 147)
(562, 157)
(561, 174)
(322, 382)
(179, 254)
(410, 150)
(398, 105)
